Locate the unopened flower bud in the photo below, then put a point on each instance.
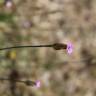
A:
(29, 83)
(59, 46)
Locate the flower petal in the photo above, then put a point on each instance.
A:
(69, 48)
(38, 84)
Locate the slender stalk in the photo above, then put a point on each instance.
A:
(27, 82)
(7, 79)
(29, 46)
(56, 46)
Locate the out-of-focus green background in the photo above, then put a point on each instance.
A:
(32, 22)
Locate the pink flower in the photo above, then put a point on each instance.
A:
(27, 24)
(69, 48)
(9, 4)
(38, 84)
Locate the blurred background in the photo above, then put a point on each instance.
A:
(33, 22)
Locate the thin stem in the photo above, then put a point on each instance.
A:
(56, 46)
(29, 46)
(7, 79)
(27, 82)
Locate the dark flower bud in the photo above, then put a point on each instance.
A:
(29, 83)
(59, 46)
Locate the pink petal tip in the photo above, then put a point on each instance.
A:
(69, 48)
(38, 84)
